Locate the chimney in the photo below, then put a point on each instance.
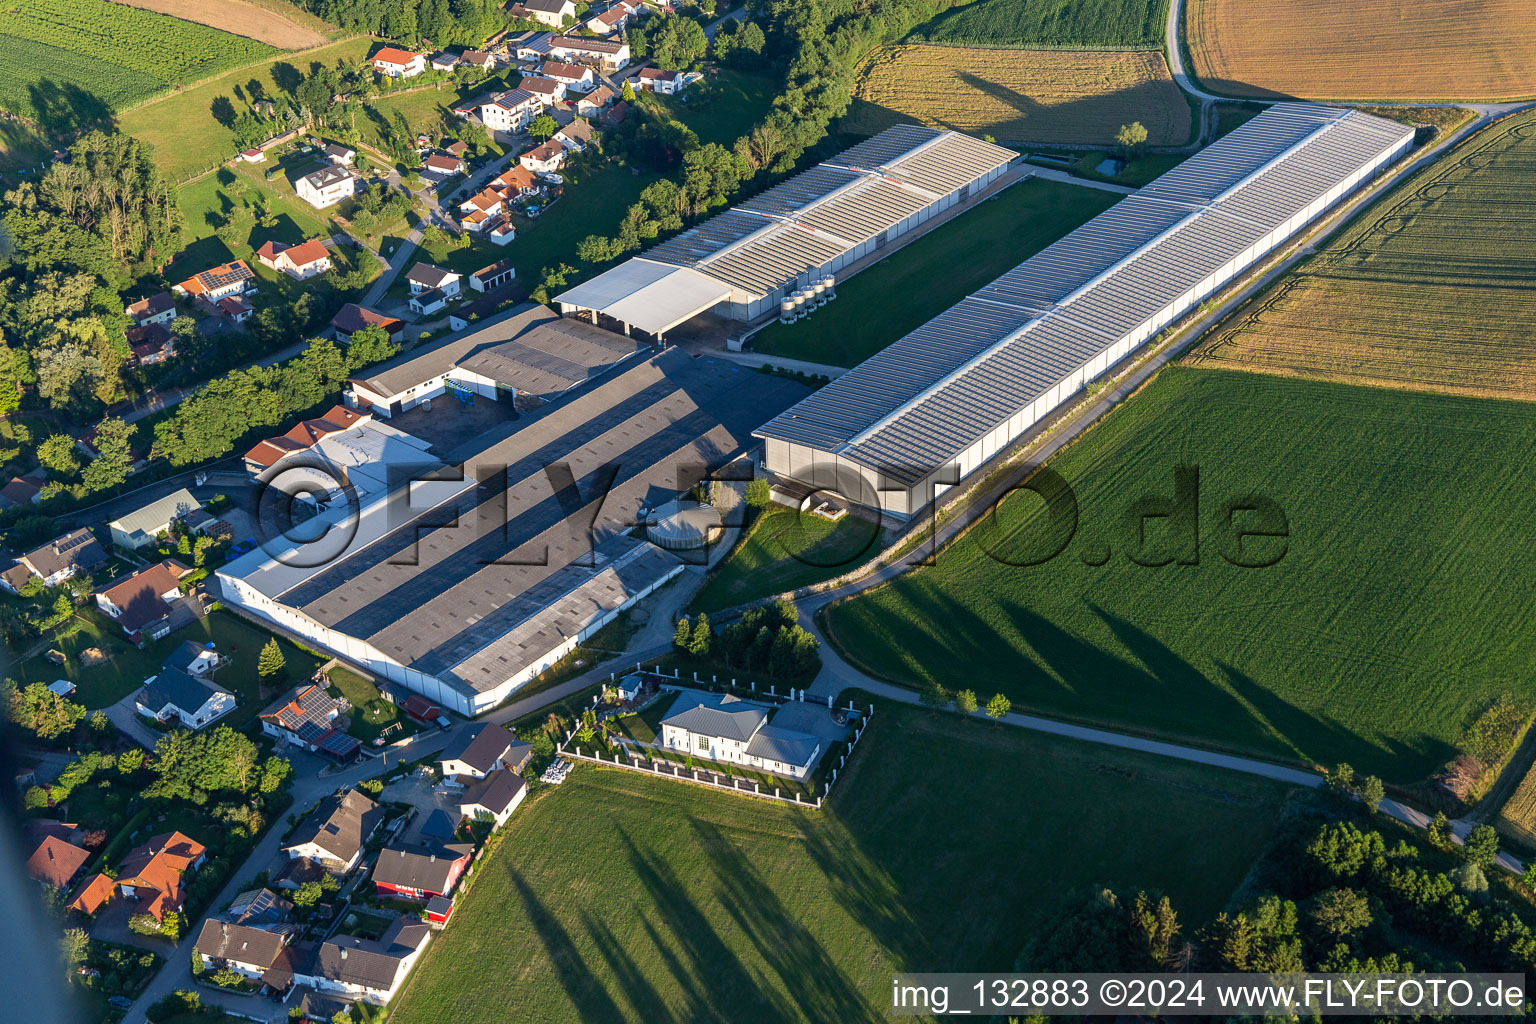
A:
(343, 952)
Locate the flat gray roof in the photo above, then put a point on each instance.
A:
(530, 347)
(916, 405)
(436, 592)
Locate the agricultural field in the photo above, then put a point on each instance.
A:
(1036, 96)
(188, 139)
(1049, 24)
(1517, 818)
(276, 24)
(1367, 50)
(1377, 638)
(617, 897)
(899, 294)
(1429, 289)
(73, 62)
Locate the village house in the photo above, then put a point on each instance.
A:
(334, 833)
(155, 873)
(151, 344)
(443, 61)
(327, 186)
(609, 55)
(477, 59)
(211, 285)
(159, 308)
(368, 969)
(65, 556)
(244, 949)
(440, 166)
(658, 80)
(253, 155)
(20, 490)
(352, 318)
(300, 262)
(183, 692)
(475, 751)
(306, 717)
(258, 906)
(57, 855)
(425, 277)
(510, 111)
(545, 158)
(422, 871)
(433, 300)
(614, 19)
(95, 893)
(546, 90)
(721, 727)
(235, 308)
(500, 230)
(494, 797)
(553, 13)
(396, 63)
(577, 135)
(573, 76)
(140, 527)
(594, 102)
(340, 155)
(143, 603)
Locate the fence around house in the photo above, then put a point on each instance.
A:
(705, 775)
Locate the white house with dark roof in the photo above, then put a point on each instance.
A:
(244, 949)
(367, 969)
(476, 751)
(333, 834)
(548, 12)
(65, 556)
(424, 277)
(327, 186)
(721, 727)
(182, 691)
(494, 797)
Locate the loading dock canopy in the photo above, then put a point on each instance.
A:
(651, 296)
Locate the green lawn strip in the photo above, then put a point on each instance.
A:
(1377, 638)
(645, 725)
(784, 549)
(372, 715)
(592, 205)
(927, 276)
(188, 139)
(622, 897)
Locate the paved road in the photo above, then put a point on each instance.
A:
(1051, 174)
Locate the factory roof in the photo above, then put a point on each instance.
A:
(919, 403)
(471, 587)
(802, 224)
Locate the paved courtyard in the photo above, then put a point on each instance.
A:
(450, 422)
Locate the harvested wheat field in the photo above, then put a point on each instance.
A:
(1048, 96)
(1365, 49)
(1432, 291)
(1517, 818)
(264, 24)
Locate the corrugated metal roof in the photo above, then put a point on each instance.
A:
(802, 224)
(919, 403)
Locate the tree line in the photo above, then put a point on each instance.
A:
(765, 639)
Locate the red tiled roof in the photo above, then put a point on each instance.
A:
(213, 277)
(93, 895)
(392, 55)
(159, 865)
(305, 253)
(56, 860)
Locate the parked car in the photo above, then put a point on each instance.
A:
(443, 723)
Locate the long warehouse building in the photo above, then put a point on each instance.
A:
(743, 261)
(934, 406)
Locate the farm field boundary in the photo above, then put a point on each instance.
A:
(71, 62)
(1430, 290)
(263, 23)
(1365, 50)
(1033, 96)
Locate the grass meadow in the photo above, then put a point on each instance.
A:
(1429, 289)
(902, 292)
(1365, 50)
(1049, 24)
(617, 897)
(1036, 96)
(1389, 622)
(70, 62)
(784, 549)
(188, 139)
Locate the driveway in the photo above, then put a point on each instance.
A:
(130, 724)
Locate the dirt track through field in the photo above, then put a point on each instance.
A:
(1364, 49)
(242, 19)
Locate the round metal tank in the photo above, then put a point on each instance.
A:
(683, 525)
(831, 285)
(819, 291)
